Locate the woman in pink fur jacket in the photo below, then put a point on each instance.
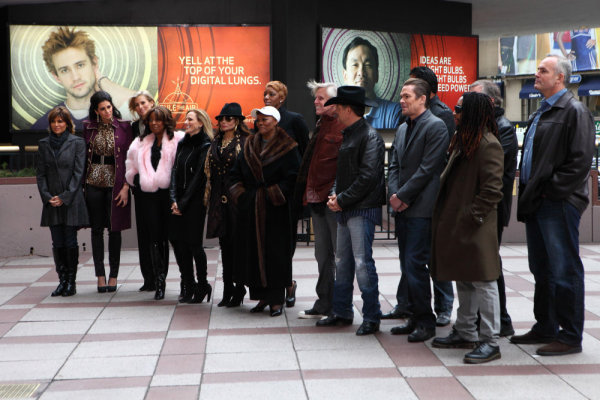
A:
(149, 162)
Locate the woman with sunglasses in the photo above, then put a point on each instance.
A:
(224, 149)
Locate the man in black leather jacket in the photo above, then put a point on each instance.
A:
(357, 197)
(510, 145)
(553, 193)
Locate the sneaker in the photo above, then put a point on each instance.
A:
(310, 314)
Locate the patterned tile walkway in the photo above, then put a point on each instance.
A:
(125, 345)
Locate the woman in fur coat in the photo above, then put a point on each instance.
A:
(262, 181)
(149, 163)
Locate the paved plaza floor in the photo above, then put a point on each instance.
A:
(125, 345)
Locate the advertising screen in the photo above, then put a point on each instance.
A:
(182, 67)
(520, 55)
(381, 62)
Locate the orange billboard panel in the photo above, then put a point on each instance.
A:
(206, 67)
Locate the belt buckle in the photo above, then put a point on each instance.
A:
(102, 159)
(224, 199)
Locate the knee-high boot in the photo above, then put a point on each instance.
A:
(160, 264)
(59, 262)
(72, 259)
(114, 253)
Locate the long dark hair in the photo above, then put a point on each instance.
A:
(477, 115)
(95, 101)
(162, 114)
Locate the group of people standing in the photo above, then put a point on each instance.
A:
(176, 178)
(449, 186)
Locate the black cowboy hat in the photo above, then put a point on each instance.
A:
(351, 95)
(231, 110)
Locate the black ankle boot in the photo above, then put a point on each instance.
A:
(59, 261)
(238, 296)
(72, 259)
(227, 294)
(189, 292)
(204, 290)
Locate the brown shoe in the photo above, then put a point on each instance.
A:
(530, 338)
(558, 349)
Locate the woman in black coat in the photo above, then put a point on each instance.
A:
(186, 226)
(60, 164)
(224, 149)
(263, 180)
(139, 105)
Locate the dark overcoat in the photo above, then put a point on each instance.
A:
(464, 225)
(61, 176)
(279, 178)
(120, 217)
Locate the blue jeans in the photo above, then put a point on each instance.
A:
(63, 236)
(414, 245)
(553, 252)
(443, 295)
(355, 255)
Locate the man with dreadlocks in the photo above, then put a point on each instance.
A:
(465, 241)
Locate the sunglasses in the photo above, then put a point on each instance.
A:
(457, 109)
(227, 118)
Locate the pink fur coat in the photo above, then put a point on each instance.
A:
(138, 162)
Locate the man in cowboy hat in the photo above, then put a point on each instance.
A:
(356, 197)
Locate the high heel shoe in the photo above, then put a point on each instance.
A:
(111, 289)
(259, 307)
(203, 291)
(290, 295)
(103, 289)
(276, 312)
(227, 295)
(238, 297)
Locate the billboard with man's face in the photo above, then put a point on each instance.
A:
(181, 67)
(381, 62)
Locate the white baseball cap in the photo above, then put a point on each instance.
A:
(267, 110)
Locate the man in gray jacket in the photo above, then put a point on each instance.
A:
(417, 161)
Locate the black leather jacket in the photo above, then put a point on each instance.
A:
(360, 181)
(187, 176)
(563, 147)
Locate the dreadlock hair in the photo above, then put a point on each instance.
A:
(477, 116)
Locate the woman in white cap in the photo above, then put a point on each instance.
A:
(262, 182)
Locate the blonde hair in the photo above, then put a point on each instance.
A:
(279, 87)
(137, 94)
(203, 117)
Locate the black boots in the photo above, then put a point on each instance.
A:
(227, 294)
(159, 253)
(71, 261)
(59, 261)
(238, 296)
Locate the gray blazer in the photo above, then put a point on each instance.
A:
(61, 176)
(415, 169)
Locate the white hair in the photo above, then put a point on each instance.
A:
(330, 87)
